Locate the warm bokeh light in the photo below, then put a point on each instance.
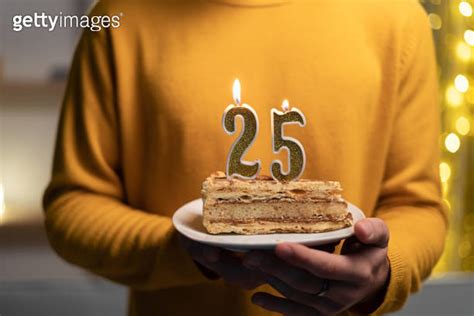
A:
(463, 51)
(464, 248)
(469, 37)
(470, 96)
(461, 83)
(455, 51)
(463, 126)
(435, 21)
(454, 97)
(452, 143)
(444, 171)
(465, 8)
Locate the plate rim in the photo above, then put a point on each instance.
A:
(216, 240)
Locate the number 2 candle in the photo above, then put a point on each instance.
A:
(236, 167)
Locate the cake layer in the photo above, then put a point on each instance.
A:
(270, 227)
(265, 218)
(219, 187)
(264, 206)
(295, 210)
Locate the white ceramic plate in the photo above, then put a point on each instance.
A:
(188, 221)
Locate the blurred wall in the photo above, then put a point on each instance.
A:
(36, 54)
(33, 69)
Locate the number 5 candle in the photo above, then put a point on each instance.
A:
(296, 155)
(236, 167)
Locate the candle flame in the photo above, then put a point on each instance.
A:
(236, 92)
(285, 105)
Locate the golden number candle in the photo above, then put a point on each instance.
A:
(296, 155)
(236, 167)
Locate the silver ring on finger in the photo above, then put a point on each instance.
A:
(324, 288)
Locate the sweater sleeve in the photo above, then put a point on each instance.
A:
(410, 198)
(87, 219)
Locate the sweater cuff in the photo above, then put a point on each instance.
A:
(398, 288)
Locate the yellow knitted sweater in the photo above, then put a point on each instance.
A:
(140, 130)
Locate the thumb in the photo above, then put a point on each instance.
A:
(372, 231)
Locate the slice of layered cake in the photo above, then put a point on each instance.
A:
(266, 206)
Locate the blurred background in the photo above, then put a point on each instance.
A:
(33, 69)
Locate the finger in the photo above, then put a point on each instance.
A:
(352, 245)
(327, 247)
(282, 305)
(339, 295)
(372, 231)
(295, 277)
(223, 263)
(200, 252)
(322, 264)
(230, 268)
(322, 304)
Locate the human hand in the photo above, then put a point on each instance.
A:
(217, 263)
(314, 282)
